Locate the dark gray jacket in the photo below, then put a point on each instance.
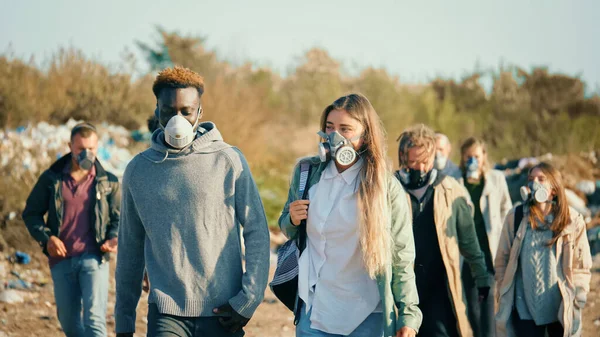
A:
(46, 197)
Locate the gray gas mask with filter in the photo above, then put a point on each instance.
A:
(536, 191)
(86, 159)
(337, 147)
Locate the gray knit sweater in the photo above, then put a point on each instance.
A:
(537, 294)
(180, 219)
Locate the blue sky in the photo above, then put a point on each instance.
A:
(414, 40)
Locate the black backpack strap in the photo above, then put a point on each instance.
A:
(518, 218)
(303, 193)
(301, 242)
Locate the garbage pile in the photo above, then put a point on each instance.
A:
(581, 175)
(30, 150)
(18, 281)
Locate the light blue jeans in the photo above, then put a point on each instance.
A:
(372, 326)
(81, 283)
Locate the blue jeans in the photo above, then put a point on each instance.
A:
(81, 283)
(372, 326)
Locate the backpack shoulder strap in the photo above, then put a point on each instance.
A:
(518, 217)
(304, 173)
(303, 193)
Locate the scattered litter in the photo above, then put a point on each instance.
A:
(587, 187)
(578, 204)
(11, 216)
(33, 148)
(20, 258)
(11, 297)
(18, 284)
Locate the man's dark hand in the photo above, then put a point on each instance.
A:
(230, 320)
(125, 334)
(483, 293)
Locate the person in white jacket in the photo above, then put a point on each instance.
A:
(491, 202)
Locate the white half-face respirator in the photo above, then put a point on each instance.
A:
(440, 161)
(179, 133)
(535, 191)
(337, 147)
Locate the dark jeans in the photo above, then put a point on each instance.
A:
(438, 315)
(160, 325)
(527, 328)
(481, 315)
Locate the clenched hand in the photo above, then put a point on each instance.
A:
(109, 246)
(233, 323)
(299, 211)
(406, 332)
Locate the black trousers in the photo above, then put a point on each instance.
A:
(527, 327)
(160, 325)
(438, 315)
(481, 315)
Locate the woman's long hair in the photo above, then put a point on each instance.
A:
(560, 206)
(375, 239)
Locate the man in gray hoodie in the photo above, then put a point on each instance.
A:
(185, 200)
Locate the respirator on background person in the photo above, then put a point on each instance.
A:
(414, 179)
(440, 161)
(337, 147)
(179, 133)
(472, 168)
(536, 191)
(86, 159)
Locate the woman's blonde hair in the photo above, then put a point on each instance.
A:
(375, 239)
(466, 146)
(560, 205)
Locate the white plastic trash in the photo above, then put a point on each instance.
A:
(586, 187)
(11, 297)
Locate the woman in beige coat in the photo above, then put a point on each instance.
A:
(543, 262)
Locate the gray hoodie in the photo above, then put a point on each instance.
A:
(181, 214)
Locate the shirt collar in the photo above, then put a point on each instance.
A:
(349, 175)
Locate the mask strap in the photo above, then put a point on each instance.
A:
(355, 138)
(197, 118)
(193, 126)
(160, 161)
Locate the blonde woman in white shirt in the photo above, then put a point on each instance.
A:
(356, 274)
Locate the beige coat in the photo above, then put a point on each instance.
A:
(456, 237)
(574, 259)
(495, 203)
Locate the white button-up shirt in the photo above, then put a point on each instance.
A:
(333, 280)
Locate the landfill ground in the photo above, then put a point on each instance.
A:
(36, 316)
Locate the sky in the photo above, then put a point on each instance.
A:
(415, 40)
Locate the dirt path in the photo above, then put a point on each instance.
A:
(37, 315)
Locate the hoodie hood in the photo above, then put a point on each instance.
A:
(208, 140)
